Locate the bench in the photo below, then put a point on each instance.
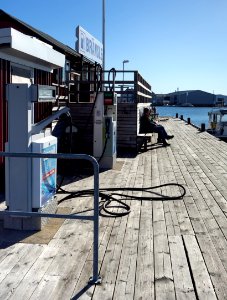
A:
(143, 139)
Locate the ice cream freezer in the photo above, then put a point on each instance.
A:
(44, 172)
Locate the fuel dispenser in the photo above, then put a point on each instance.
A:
(105, 129)
(30, 183)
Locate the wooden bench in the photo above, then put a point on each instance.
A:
(142, 140)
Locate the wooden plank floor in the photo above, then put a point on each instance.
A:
(174, 249)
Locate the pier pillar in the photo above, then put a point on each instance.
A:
(182, 117)
(189, 120)
(176, 115)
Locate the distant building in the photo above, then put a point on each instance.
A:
(186, 98)
(221, 100)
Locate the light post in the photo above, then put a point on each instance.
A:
(124, 62)
(103, 31)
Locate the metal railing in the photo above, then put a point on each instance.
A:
(95, 218)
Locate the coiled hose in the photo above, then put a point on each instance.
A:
(108, 202)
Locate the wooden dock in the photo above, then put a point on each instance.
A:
(172, 249)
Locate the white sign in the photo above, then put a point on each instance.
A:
(88, 46)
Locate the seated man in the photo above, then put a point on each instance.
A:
(147, 125)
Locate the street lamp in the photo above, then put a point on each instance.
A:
(124, 62)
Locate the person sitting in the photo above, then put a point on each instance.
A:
(147, 125)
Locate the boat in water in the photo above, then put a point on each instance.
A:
(218, 123)
(187, 105)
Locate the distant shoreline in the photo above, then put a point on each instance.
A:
(158, 105)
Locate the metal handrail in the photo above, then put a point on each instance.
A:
(95, 218)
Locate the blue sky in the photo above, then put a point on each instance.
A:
(172, 43)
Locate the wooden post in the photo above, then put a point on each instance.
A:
(202, 127)
(137, 97)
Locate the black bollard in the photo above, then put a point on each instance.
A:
(176, 115)
(189, 121)
(202, 127)
(182, 117)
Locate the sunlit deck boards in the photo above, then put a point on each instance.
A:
(161, 250)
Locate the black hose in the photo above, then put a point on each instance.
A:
(103, 150)
(108, 200)
(113, 71)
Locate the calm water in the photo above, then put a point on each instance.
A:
(198, 115)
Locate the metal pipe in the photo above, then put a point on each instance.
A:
(95, 218)
(42, 124)
(96, 278)
(104, 32)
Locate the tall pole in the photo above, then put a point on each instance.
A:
(103, 30)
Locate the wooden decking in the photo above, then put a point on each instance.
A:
(175, 249)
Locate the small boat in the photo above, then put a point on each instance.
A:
(218, 123)
(187, 105)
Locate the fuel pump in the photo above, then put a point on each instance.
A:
(30, 183)
(105, 129)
